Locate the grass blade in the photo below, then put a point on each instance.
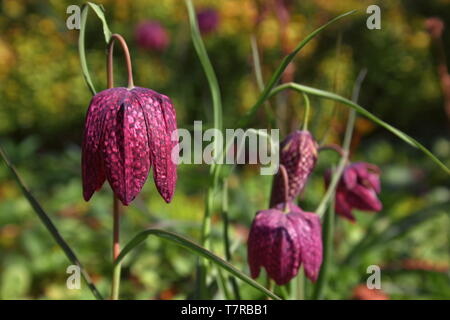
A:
(81, 39)
(196, 249)
(332, 96)
(49, 225)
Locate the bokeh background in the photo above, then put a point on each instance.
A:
(43, 101)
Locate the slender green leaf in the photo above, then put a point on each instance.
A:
(196, 249)
(218, 122)
(259, 79)
(49, 225)
(283, 65)
(332, 96)
(209, 70)
(99, 11)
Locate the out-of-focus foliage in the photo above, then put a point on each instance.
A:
(43, 100)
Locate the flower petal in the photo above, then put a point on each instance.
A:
(125, 148)
(363, 198)
(160, 119)
(93, 172)
(309, 230)
(273, 243)
(342, 207)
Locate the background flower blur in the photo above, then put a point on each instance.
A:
(43, 101)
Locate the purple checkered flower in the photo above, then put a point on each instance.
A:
(298, 154)
(127, 131)
(280, 242)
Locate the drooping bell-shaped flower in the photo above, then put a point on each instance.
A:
(358, 189)
(208, 20)
(151, 35)
(126, 133)
(298, 155)
(280, 242)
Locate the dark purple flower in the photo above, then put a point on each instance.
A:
(126, 132)
(298, 155)
(280, 242)
(208, 20)
(150, 35)
(357, 189)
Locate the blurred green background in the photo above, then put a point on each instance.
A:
(43, 101)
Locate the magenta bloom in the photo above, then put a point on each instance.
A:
(357, 189)
(280, 242)
(150, 35)
(126, 132)
(208, 20)
(298, 154)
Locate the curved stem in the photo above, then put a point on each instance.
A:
(110, 74)
(307, 111)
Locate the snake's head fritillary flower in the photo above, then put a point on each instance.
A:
(127, 131)
(208, 20)
(280, 242)
(358, 189)
(298, 154)
(151, 35)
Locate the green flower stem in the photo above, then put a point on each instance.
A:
(327, 240)
(226, 239)
(307, 111)
(300, 279)
(328, 229)
(116, 249)
(218, 151)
